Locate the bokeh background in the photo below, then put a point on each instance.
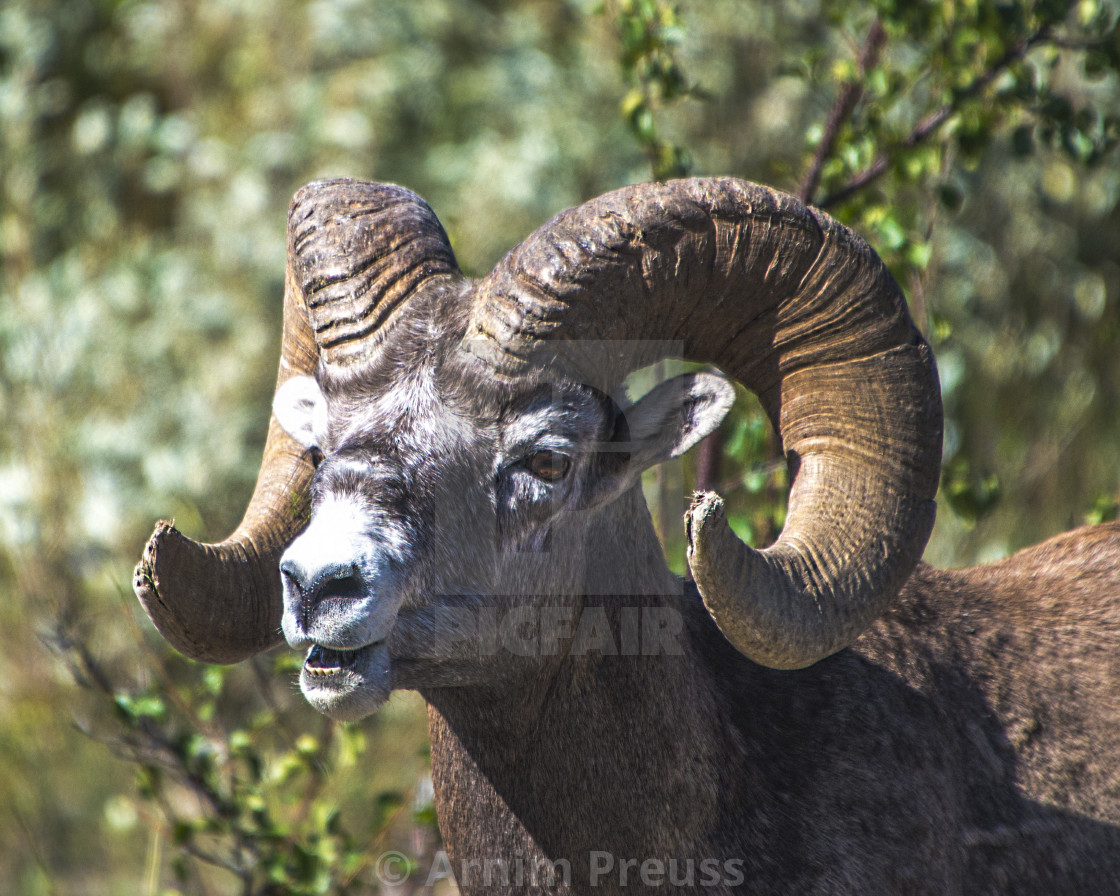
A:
(148, 151)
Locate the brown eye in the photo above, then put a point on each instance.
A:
(548, 465)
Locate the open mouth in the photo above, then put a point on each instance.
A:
(324, 661)
(347, 684)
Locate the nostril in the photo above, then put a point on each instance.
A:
(295, 575)
(343, 581)
(314, 585)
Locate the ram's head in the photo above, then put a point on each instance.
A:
(464, 443)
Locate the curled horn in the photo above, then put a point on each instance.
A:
(358, 254)
(800, 310)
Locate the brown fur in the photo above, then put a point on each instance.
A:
(969, 743)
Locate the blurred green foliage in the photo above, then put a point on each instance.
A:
(148, 151)
(649, 34)
(255, 798)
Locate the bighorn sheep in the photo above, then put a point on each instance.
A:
(824, 716)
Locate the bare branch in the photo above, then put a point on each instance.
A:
(930, 124)
(708, 461)
(850, 94)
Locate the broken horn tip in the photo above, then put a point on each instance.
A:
(705, 506)
(162, 529)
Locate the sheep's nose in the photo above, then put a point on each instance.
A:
(312, 585)
(295, 576)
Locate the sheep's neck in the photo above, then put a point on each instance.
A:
(569, 765)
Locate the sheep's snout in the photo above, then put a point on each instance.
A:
(340, 589)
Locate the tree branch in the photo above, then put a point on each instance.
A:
(708, 461)
(934, 120)
(850, 94)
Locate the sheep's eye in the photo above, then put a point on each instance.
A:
(548, 465)
(315, 455)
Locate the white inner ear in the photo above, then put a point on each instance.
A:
(677, 414)
(301, 409)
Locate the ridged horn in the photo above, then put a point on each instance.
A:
(800, 310)
(358, 253)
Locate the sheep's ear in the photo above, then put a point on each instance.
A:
(662, 424)
(301, 410)
(674, 416)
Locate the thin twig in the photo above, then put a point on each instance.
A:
(317, 771)
(708, 461)
(264, 688)
(917, 276)
(850, 94)
(80, 658)
(31, 841)
(934, 120)
(153, 660)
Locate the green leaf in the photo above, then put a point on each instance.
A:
(631, 103)
(213, 677)
(891, 234)
(134, 708)
(1105, 509)
(971, 494)
(942, 328)
(918, 255)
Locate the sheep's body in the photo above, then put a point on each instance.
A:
(969, 743)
